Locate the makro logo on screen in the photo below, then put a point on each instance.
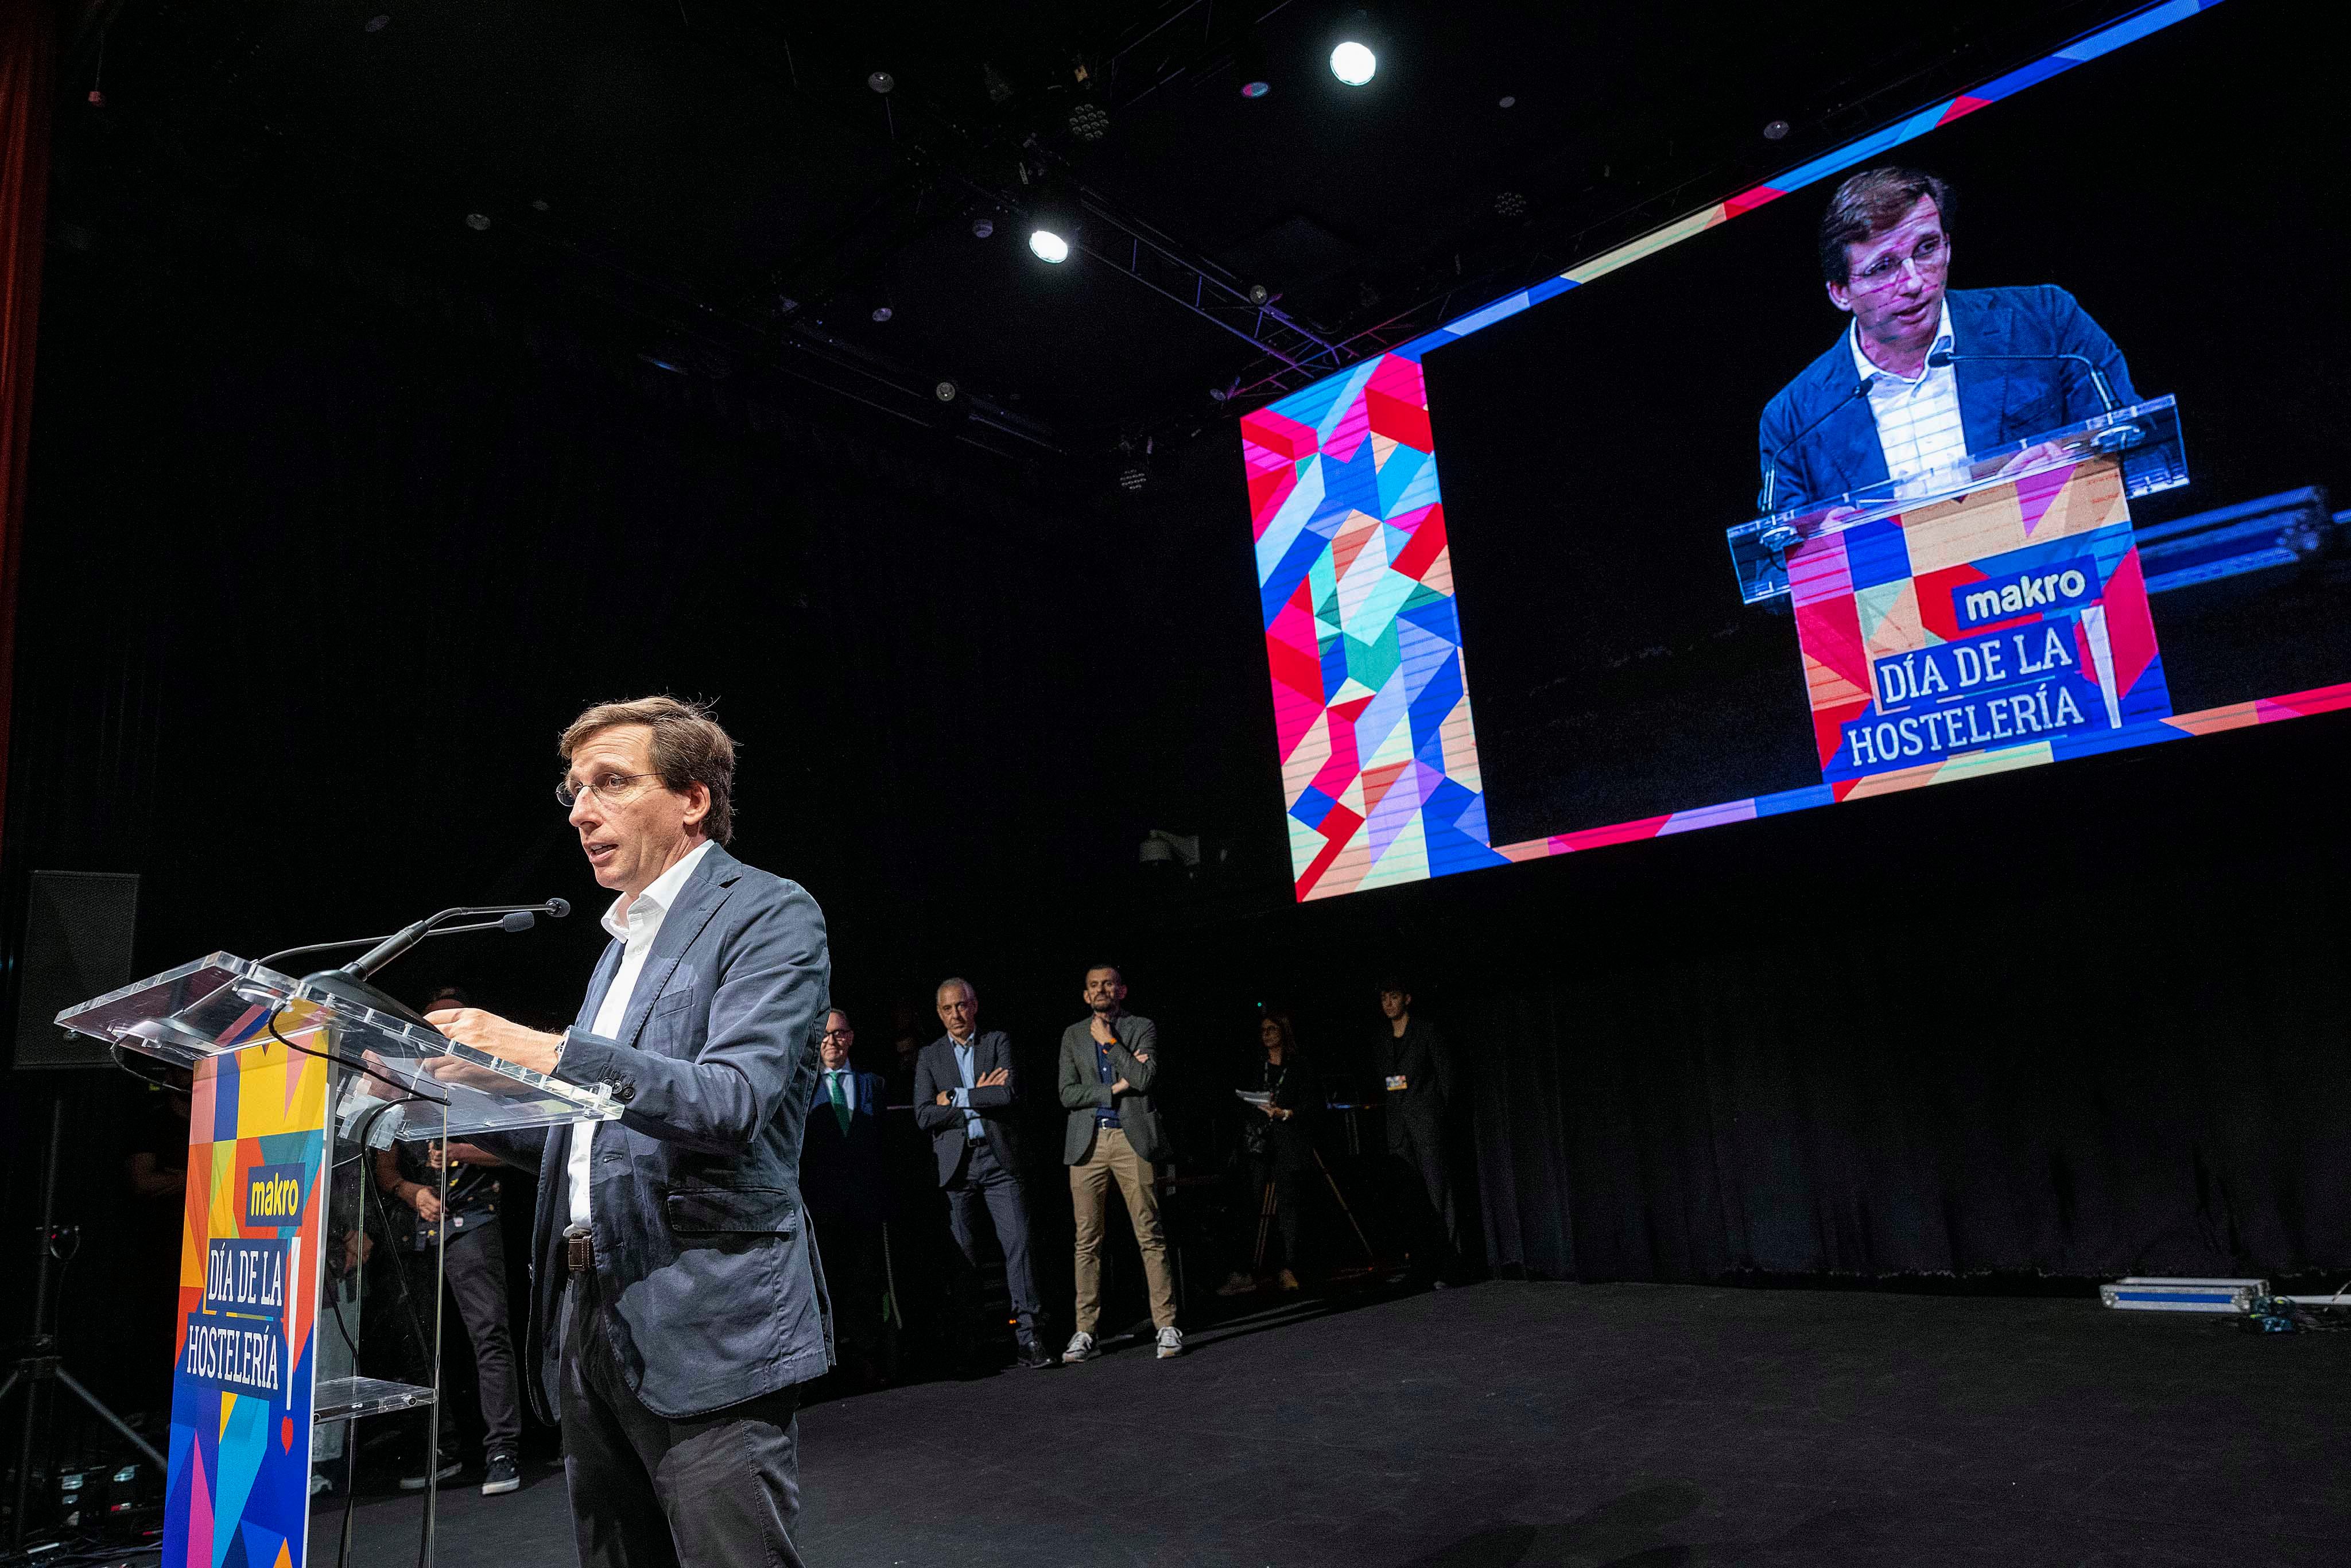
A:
(273, 1195)
(2063, 586)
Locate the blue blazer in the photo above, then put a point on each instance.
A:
(935, 1070)
(1999, 404)
(710, 1289)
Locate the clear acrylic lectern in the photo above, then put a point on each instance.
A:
(307, 1297)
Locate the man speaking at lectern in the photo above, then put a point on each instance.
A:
(1922, 378)
(676, 1299)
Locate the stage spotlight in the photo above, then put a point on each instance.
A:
(1047, 245)
(1258, 294)
(1090, 122)
(1256, 88)
(1354, 63)
(982, 228)
(881, 81)
(882, 312)
(946, 390)
(1509, 204)
(1775, 131)
(477, 222)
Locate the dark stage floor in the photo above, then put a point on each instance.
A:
(1555, 1425)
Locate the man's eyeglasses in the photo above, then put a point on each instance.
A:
(1881, 273)
(612, 789)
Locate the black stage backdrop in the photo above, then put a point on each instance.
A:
(323, 554)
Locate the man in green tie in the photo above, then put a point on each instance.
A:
(843, 1185)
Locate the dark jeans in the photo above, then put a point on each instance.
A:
(985, 1183)
(720, 1490)
(474, 1263)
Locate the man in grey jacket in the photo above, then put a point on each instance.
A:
(1108, 1063)
(676, 1299)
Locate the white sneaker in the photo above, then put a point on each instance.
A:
(1171, 1344)
(1082, 1348)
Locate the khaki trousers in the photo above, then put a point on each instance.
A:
(1112, 1156)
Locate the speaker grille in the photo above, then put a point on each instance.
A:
(77, 926)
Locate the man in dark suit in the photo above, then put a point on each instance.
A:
(1882, 402)
(965, 1092)
(1415, 1071)
(1109, 1061)
(846, 1184)
(678, 1302)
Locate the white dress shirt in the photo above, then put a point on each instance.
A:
(636, 930)
(1919, 424)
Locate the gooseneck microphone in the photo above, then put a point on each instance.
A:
(350, 983)
(518, 920)
(1772, 468)
(2098, 382)
(407, 937)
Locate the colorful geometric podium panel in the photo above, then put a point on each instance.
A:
(238, 1489)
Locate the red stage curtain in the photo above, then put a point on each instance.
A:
(28, 45)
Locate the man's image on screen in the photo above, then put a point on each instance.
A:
(1923, 377)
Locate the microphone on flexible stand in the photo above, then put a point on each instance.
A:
(1771, 469)
(2113, 438)
(2098, 382)
(518, 920)
(350, 983)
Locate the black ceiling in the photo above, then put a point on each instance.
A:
(714, 186)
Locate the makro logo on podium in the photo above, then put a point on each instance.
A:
(2062, 586)
(273, 1195)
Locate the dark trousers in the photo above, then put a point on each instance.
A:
(1423, 1197)
(985, 1183)
(720, 1490)
(474, 1265)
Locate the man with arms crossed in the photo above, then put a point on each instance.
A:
(676, 1301)
(965, 1092)
(1108, 1063)
(1873, 407)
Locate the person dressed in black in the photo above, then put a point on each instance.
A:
(965, 1094)
(1416, 1073)
(1279, 1138)
(846, 1185)
(474, 1262)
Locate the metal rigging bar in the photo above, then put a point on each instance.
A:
(1206, 290)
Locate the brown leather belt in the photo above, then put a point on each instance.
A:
(579, 1250)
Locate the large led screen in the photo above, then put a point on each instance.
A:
(2001, 436)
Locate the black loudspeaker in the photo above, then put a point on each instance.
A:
(77, 927)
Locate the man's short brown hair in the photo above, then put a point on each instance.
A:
(1869, 203)
(689, 748)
